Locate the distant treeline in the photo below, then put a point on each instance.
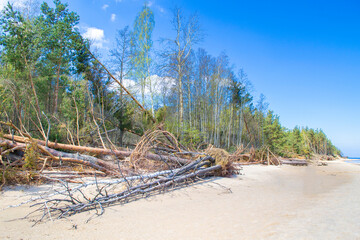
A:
(49, 79)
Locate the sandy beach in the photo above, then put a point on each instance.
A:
(267, 202)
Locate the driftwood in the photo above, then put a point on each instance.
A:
(248, 163)
(75, 199)
(295, 162)
(97, 151)
(80, 158)
(130, 169)
(82, 173)
(86, 160)
(169, 138)
(66, 175)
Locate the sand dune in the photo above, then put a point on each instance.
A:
(266, 203)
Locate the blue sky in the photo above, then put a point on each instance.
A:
(304, 56)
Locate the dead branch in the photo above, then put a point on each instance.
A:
(98, 151)
(136, 101)
(77, 200)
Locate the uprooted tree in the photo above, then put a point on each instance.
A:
(64, 114)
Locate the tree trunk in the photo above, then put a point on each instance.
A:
(189, 102)
(98, 151)
(181, 103)
(229, 128)
(121, 137)
(34, 91)
(57, 88)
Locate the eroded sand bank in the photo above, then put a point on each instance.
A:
(284, 202)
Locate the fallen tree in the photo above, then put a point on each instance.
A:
(78, 199)
(86, 160)
(98, 151)
(151, 153)
(294, 162)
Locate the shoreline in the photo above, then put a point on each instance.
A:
(355, 161)
(267, 202)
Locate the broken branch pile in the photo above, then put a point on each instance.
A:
(97, 195)
(153, 166)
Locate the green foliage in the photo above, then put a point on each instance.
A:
(191, 137)
(20, 39)
(297, 142)
(62, 45)
(274, 134)
(45, 66)
(160, 114)
(124, 115)
(141, 41)
(31, 155)
(141, 44)
(239, 95)
(59, 35)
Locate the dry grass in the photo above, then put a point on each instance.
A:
(12, 176)
(31, 155)
(149, 141)
(223, 159)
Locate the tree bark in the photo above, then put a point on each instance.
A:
(136, 101)
(57, 87)
(99, 151)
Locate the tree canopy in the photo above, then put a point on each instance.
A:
(49, 78)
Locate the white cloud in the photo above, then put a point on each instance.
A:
(105, 7)
(150, 3)
(162, 10)
(113, 17)
(96, 36)
(159, 84)
(2, 5)
(16, 3)
(94, 33)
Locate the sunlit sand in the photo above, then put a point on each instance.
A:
(267, 202)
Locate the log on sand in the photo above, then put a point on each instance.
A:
(98, 151)
(86, 160)
(294, 162)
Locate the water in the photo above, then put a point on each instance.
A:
(355, 160)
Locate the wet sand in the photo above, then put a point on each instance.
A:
(267, 202)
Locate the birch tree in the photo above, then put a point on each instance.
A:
(141, 44)
(178, 49)
(122, 55)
